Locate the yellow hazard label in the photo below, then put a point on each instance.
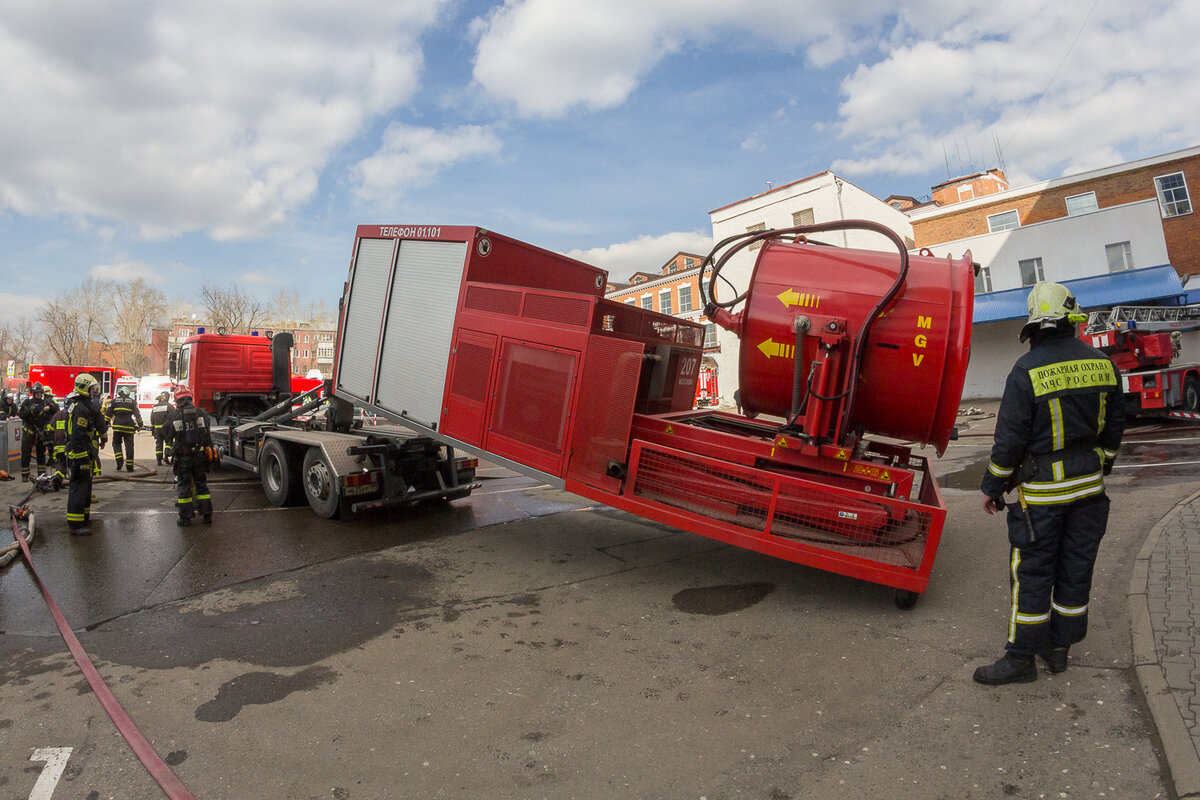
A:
(671, 429)
(842, 454)
(781, 442)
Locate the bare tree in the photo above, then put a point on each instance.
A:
(18, 344)
(77, 319)
(232, 308)
(319, 313)
(285, 308)
(139, 307)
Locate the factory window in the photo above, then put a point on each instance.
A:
(983, 281)
(647, 302)
(1031, 271)
(1081, 204)
(710, 336)
(762, 226)
(1005, 220)
(804, 217)
(1173, 195)
(664, 301)
(685, 299)
(1120, 256)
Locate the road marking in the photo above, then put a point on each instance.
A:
(1161, 464)
(56, 762)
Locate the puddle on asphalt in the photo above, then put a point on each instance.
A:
(968, 478)
(717, 600)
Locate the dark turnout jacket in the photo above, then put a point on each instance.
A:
(1060, 423)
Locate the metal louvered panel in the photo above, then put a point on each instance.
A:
(364, 316)
(420, 328)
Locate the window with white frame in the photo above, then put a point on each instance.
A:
(966, 193)
(1082, 204)
(1173, 197)
(631, 302)
(647, 302)
(688, 262)
(1004, 221)
(1120, 256)
(983, 281)
(804, 217)
(710, 336)
(664, 301)
(685, 299)
(1031, 271)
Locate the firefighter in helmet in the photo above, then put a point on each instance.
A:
(7, 407)
(35, 412)
(1057, 432)
(158, 418)
(188, 436)
(125, 418)
(85, 425)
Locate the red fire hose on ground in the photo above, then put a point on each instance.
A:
(23, 531)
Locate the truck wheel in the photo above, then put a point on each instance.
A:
(320, 485)
(279, 471)
(1191, 393)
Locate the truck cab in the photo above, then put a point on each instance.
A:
(233, 375)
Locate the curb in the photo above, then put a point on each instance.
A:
(1183, 761)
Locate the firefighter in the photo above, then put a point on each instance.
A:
(187, 434)
(85, 426)
(124, 418)
(57, 436)
(158, 418)
(35, 412)
(7, 407)
(1057, 432)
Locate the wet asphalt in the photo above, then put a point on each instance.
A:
(529, 643)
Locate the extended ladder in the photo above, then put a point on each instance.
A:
(1145, 318)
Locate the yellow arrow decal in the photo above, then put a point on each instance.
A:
(770, 348)
(789, 298)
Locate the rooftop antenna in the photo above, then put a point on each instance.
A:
(769, 187)
(946, 156)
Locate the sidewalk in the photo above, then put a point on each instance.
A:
(1164, 613)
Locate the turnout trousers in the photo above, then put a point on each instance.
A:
(29, 443)
(123, 440)
(191, 483)
(1051, 577)
(79, 492)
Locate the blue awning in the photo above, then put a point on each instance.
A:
(1112, 289)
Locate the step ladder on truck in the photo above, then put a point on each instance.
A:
(1144, 343)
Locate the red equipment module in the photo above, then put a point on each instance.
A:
(513, 353)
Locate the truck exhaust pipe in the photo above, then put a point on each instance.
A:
(281, 364)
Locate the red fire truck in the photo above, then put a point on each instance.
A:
(462, 339)
(236, 376)
(61, 379)
(1144, 341)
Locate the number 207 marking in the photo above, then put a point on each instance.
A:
(56, 762)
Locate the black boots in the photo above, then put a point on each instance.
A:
(1055, 658)
(1010, 669)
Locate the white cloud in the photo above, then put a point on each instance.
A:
(209, 115)
(125, 271)
(643, 254)
(549, 56)
(1062, 91)
(15, 306)
(259, 278)
(412, 156)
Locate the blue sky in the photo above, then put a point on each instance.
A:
(235, 142)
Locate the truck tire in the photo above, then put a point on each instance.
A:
(1191, 394)
(320, 485)
(279, 471)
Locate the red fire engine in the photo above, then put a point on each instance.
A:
(60, 379)
(236, 376)
(1144, 341)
